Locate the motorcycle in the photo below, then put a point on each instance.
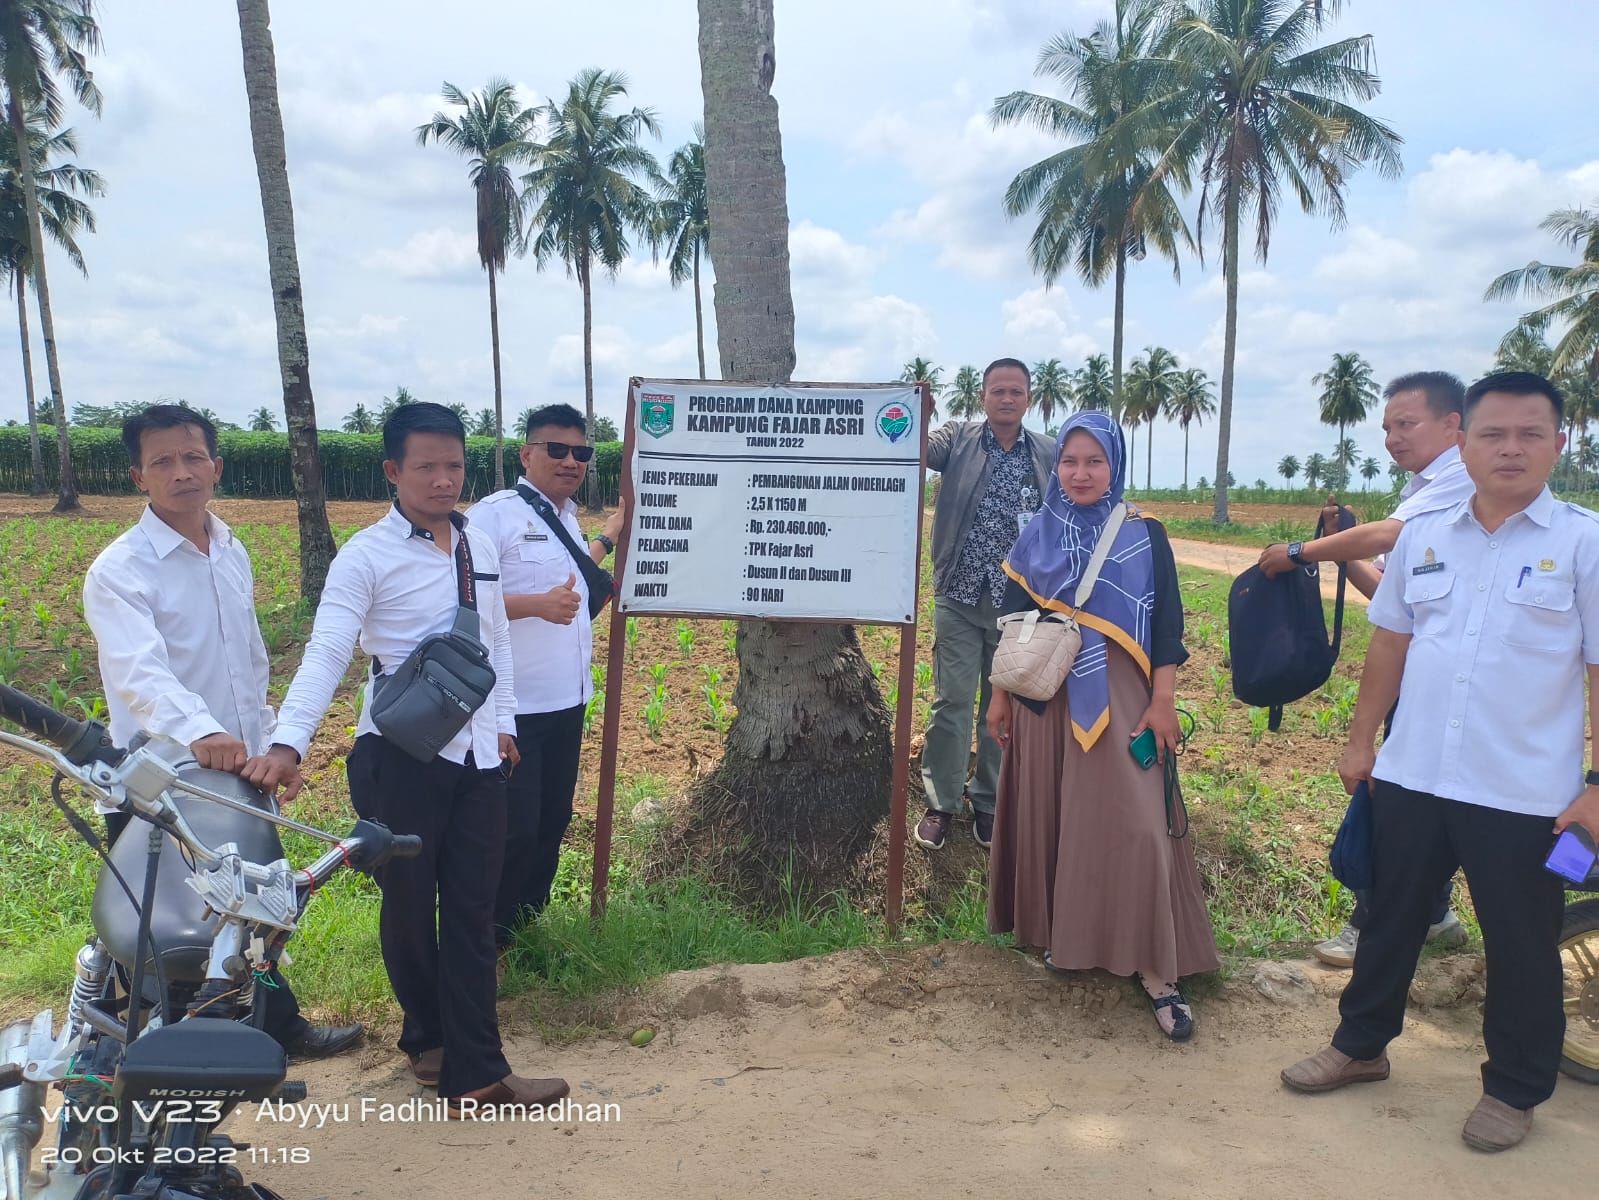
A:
(1579, 963)
(162, 1037)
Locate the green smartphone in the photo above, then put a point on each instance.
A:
(1143, 749)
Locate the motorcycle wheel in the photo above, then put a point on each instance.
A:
(1579, 965)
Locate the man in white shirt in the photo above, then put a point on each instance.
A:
(394, 584)
(1488, 615)
(1421, 428)
(171, 604)
(552, 647)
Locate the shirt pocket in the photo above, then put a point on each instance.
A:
(1427, 597)
(549, 562)
(1541, 617)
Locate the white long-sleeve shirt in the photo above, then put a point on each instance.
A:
(180, 651)
(552, 661)
(389, 588)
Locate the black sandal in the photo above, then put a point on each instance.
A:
(1182, 1022)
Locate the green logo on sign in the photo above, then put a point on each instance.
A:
(893, 421)
(655, 417)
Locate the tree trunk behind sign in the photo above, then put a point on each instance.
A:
(805, 776)
(283, 261)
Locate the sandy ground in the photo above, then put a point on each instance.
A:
(954, 1071)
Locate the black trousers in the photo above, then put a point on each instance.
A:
(538, 810)
(1417, 842)
(1440, 908)
(280, 1011)
(436, 927)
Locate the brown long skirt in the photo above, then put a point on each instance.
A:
(1081, 862)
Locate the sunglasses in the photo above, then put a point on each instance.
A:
(559, 450)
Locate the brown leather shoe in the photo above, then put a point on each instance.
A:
(1494, 1125)
(427, 1065)
(1331, 1069)
(511, 1093)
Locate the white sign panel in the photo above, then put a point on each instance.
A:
(798, 500)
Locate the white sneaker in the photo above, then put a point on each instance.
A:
(1449, 931)
(1339, 951)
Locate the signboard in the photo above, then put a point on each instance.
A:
(796, 501)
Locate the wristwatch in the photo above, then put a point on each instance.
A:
(1294, 549)
(604, 541)
(1591, 778)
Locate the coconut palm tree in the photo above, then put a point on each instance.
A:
(1572, 292)
(1052, 388)
(288, 304)
(41, 41)
(1315, 470)
(359, 420)
(263, 420)
(1191, 402)
(1288, 467)
(1370, 469)
(1348, 391)
(1151, 384)
(487, 424)
(920, 370)
(1397, 475)
(402, 396)
(966, 394)
(1099, 202)
(63, 215)
(1094, 386)
(494, 133)
(1264, 110)
(1524, 349)
(590, 184)
(683, 225)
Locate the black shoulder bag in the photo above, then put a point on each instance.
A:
(601, 584)
(434, 692)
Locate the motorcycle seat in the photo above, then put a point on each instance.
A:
(181, 935)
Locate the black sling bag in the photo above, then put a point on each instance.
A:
(434, 692)
(601, 584)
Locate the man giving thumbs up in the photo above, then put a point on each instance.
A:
(552, 645)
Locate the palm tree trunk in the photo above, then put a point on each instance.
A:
(1116, 333)
(35, 451)
(591, 484)
(1229, 351)
(1149, 456)
(288, 310)
(1185, 458)
(805, 775)
(67, 496)
(499, 401)
(699, 312)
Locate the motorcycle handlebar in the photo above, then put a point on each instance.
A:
(81, 742)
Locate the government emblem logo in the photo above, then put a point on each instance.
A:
(894, 421)
(655, 415)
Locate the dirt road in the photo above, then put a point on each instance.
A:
(954, 1071)
(1230, 560)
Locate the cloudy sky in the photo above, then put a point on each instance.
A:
(900, 246)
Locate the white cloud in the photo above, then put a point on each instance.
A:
(1042, 323)
(824, 256)
(441, 253)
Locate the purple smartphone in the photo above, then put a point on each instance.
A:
(1574, 854)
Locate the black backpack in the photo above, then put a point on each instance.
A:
(1277, 633)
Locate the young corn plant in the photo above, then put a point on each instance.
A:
(716, 705)
(655, 712)
(632, 634)
(685, 638)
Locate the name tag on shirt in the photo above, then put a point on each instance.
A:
(1022, 518)
(1427, 568)
(531, 536)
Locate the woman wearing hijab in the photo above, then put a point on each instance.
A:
(1083, 863)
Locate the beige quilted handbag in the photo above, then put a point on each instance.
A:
(1037, 649)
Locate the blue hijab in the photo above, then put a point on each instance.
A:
(1050, 556)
